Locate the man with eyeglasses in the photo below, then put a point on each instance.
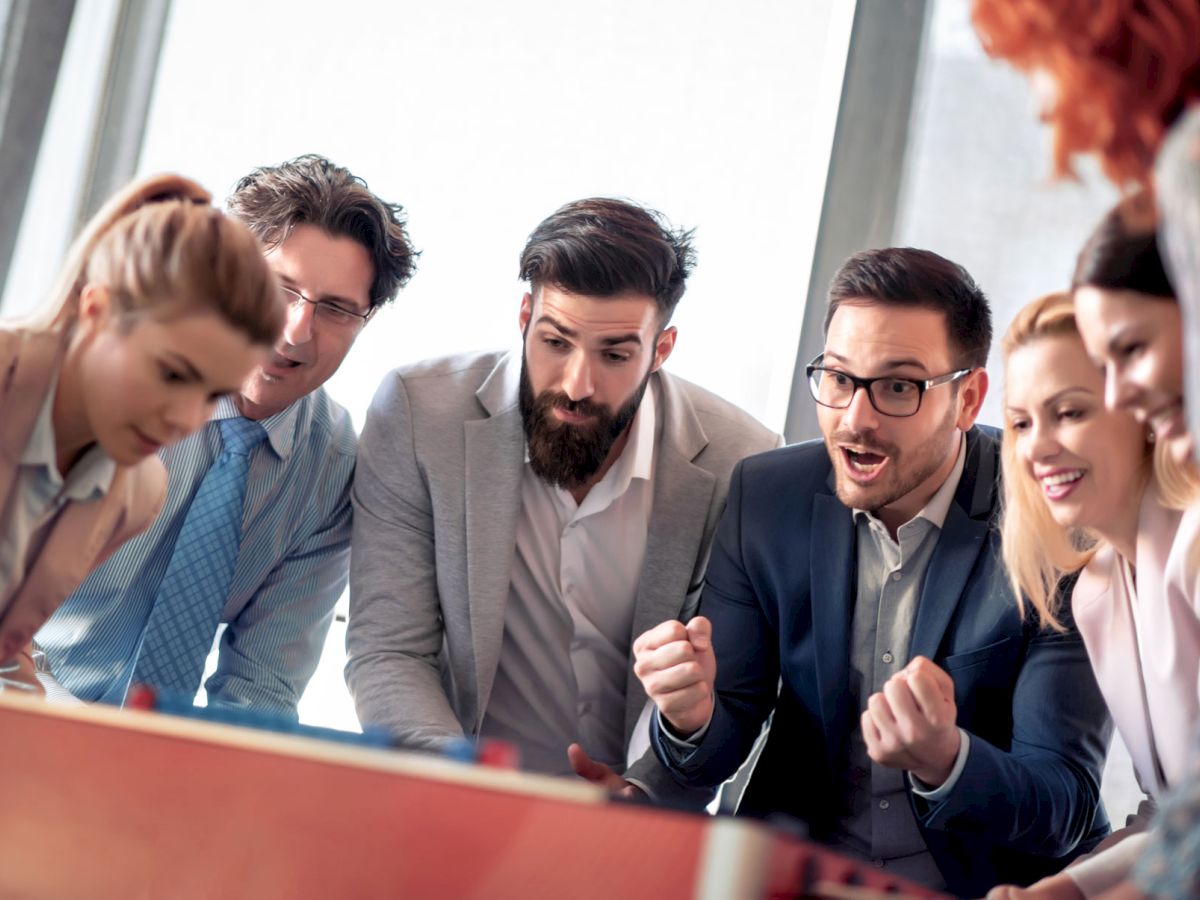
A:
(150, 614)
(856, 595)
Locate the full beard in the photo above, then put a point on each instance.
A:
(927, 458)
(566, 455)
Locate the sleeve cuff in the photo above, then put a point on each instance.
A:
(691, 742)
(643, 787)
(933, 795)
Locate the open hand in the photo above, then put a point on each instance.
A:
(598, 773)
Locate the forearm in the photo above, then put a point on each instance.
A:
(1041, 794)
(272, 647)
(1035, 803)
(715, 755)
(1104, 870)
(403, 695)
(663, 787)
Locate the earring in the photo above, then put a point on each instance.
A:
(1149, 437)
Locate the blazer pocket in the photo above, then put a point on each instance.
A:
(956, 662)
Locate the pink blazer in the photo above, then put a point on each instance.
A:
(83, 534)
(1144, 639)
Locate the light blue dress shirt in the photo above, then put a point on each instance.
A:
(291, 568)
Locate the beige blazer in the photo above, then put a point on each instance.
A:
(436, 502)
(1143, 639)
(83, 534)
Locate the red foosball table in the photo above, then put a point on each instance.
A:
(100, 803)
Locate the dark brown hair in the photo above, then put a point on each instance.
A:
(311, 190)
(603, 247)
(904, 276)
(1122, 253)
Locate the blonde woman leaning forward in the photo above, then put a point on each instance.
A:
(1087, 491)
(164, 305)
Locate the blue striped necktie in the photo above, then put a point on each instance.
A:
(187, 609)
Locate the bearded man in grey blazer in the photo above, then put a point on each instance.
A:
(519, 519)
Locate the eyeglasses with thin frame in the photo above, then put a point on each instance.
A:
(328, 312)
(891, 396)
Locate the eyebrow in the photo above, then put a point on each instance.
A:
(1080, 389)
(1121, 334)
(1055, 397)
(632, 338)
(888, 365)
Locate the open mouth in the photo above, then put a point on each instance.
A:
(1060, 484)
(278, 365)
(863, 465)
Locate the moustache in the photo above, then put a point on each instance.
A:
(582, 407)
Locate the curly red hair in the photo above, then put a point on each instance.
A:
(1123, 70)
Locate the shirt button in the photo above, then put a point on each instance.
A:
(887, 658)
(878, 863)
(884, 804)
(895, 576)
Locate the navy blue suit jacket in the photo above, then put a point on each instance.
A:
(780, 591)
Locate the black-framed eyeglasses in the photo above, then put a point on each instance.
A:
(891, 396)
(328, 312)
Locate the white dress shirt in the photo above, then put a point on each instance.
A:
(567, 626)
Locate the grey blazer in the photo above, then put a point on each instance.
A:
(436, 499)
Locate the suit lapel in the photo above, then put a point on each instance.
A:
(953, 558)
(75, 543)
(964, 534)
(679, 522)
(495, 453)
(682, 497)
(832, 604)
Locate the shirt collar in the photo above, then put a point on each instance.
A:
(936, 509)
(90, 476)
(637, 459)
(280, 428)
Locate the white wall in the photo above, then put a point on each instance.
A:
(977, 186)
(482, 118)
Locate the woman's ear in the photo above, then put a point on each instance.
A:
(95, 303)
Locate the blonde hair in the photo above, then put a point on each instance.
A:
(159, 245)
(1038, 552)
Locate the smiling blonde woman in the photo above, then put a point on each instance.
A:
(1088, 492)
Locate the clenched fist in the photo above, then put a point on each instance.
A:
(677, 667)
(910, 724)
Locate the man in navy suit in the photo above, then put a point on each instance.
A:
(856, 593)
